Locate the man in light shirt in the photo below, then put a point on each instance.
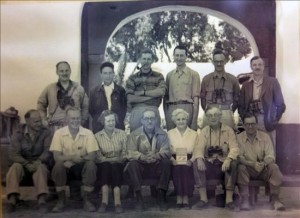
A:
(107, 96)
(74, 150)
(183, 90)
(257, 161)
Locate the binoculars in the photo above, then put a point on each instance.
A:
(218, 94)
(214, 150)
(65, 101)
(256, 106)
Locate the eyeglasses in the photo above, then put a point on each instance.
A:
(149, 119)
(250, 124)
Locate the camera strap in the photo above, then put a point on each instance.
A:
(219, 136)
(218, 86)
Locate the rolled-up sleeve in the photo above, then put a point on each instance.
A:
(233, 145)
(195, 85)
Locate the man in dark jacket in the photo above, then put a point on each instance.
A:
(29, 152)
(107, 96)
(262, 97)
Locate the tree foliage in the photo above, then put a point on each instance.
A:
(162, 31)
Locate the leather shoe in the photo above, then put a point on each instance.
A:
(200, 205)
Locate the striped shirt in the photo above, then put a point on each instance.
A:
(111, 147)
(150, 81)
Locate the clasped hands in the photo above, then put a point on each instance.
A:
(33, 165)
(149, 157)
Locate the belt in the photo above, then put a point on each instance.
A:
(221, 106)
(179, 102)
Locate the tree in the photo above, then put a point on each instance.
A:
(162, 31)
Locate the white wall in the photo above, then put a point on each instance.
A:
(35, 36)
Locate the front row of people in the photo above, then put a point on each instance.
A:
(148, 152)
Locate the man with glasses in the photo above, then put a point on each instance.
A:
(149, 157)
(215, 157)
(257, 161)
(220, 89)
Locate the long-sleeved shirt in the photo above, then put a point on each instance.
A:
(257, 151)
(111, 147)
(225, 138)
(48, 103)
(24, 149)
(138, 144)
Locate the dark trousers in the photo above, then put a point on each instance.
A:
(86, 172)
(160, 170)
(110, 174)
(215, 172)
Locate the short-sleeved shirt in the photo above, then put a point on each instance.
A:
(150, 81)
(259, 150)
(83, 143)
(111, 147)
(224, 138)
(187, 140)
(225, 81)
(183, 85)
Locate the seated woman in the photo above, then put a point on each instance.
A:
(182, 141)
(110, 159)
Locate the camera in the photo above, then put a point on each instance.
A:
(214, 150)
(256, 106)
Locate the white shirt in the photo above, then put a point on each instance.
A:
(108, 91)
(187, 140)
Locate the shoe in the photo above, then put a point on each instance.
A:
(102, 208)
(60, 205)
(186, 206)
(88, 205)
(245, 205)
(230, 206)
(119, 209)
(277, 205)
(178, 206)
(200, 205)
(140, 206)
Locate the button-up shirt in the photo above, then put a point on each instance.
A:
(183, 85)
(187, 140)
(83, 143)
(224, 138)
(138, 144)
(23, 149)
(260, 149)
(257, 85)
(225, 81)
(108, 91)
(114, 146)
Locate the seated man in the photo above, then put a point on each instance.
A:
(149, 154)
(257, 161)
(74, 149)
(29, 152)
(215, 156)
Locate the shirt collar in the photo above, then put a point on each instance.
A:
(179, 71)
(112, 85)
(185, 132)
(59, 86)
(103, 133)
(66, 131)
(218, 75)
(143, 74)
(257, 137)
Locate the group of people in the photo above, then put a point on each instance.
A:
(54, 140)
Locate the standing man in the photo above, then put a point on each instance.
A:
(220, 89)
(149, 156)
(74, 150)
(56, 97)
(257, 161)
(144, 89)
(262, 97)
(107, 96)
(215, 155)
(29, 152)
(183, 90)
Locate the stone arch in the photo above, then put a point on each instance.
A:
(195, 9)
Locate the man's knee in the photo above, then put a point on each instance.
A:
(133, 164)
(90, 165)
(241, 168)
(16, 167)
(166, 163)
